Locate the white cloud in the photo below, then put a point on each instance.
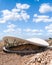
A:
(42, 18)
(27, 30)
(22, 6)
(11, 28)
(49, 28)
(24, 16)
(45, 7)
(33, 31)
(2, 20)
(18, 31)
(17, 13)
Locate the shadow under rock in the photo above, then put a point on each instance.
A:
(26, 52)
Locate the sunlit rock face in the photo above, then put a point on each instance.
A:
(21, 44)
(38, 41)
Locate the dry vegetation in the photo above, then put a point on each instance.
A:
(40, 58)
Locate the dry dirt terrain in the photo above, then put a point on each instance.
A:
(39, 58)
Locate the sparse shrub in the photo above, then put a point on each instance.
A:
(50, 38)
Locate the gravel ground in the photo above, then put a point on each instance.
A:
(43, 58)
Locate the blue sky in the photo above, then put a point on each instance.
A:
(26, 18)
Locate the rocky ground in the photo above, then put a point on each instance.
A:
(40, 58)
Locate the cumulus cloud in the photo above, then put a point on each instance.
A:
(11, 28)
(22, 6)
(45, 7)
(17, 13)
(49, 28)
(42, 18)
(33, 31)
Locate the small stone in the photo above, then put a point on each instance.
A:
(39, 60)
(42, 62)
